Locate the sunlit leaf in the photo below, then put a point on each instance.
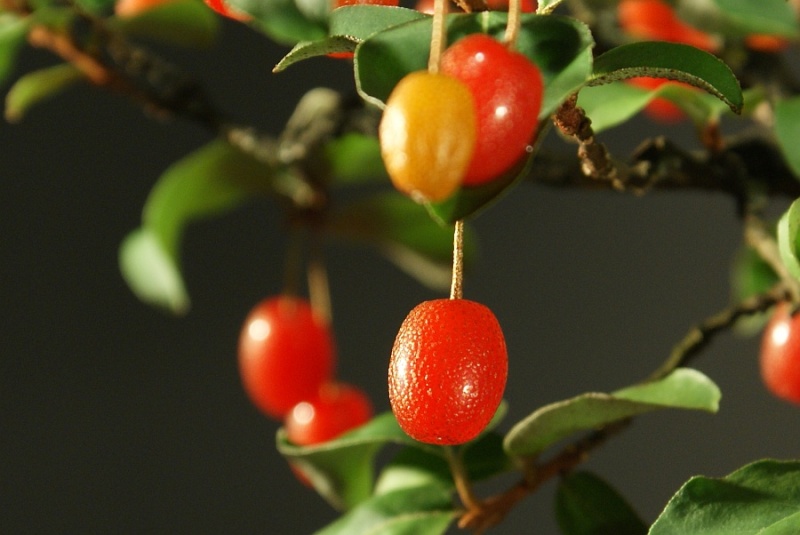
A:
(675, 61)
(682, 389)
(342, 470)
(424, 510)
(789, 240)
(560, 47)
(762, 498)
(404, 232)
(180, 22)
(13, 30)
(151, 272)
(587, 505)
(37, 86)
(787, 131)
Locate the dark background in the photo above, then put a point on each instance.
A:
(117, 418)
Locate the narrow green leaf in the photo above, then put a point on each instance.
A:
(587, 505)
(403, 231)
(354, 159)
(774, 17)
(762, 498)
(670, 60)
(682, 389)
(789, 240)
(37, 86)
(787, 130)
(181, 22)
(281, 20)
(152, 272)
(560, 47)
(424, 510)
(342, 470)
(750, 274)
(13, 30)
(310, 49)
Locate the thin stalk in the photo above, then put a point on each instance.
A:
(438, 35)
(457, 283)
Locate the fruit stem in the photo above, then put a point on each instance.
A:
(438, 35)
(461, 480)
(292, 263)
(513, 24)
(457, 283)
(319, 291)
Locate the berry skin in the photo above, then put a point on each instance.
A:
(528, 6)
(337, 408)
(286, 352)
(655, 19)
(780, 354)
(507, 91)
(427, 135)
(447, 371)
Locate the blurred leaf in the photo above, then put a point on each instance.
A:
(750, 274)
(151, 272)
(682, 389)
(404, 232)
(762, 498)
(560, 47)
(13, 30)
(787, 131)
(587, 505)
(424, 510)
(96, 6)
(342, 470)
(348, 26)
(674, 61)
(181, 22)
(774, 17)
(355, 158)
(37, 86)
(547, 6)
(788, 239)
(210, 181)
(281, 20)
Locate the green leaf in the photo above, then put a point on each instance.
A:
(788, 239)
(682, 389)
(181, 22)
(424, 510)
(674, 61)
(210, 181)
(403, 231)
(750, 274)
(348, 26)
(587, 505)
(152, 272)
(787, 131)
(762, 498)
(37, 86)
(560, 47)
(13, 30)
(354, 159)
(774, 17)
(281, 20)
(342, 470)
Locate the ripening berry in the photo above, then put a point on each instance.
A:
(507, 90)
(657, 20)
(427, 135)
(337, 408)
(447, 371)
(780, 354)
(131, 8)
(286, 352)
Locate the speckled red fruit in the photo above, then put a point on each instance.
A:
(447, 371)
(507, 91)
(780, 354)
(657, 20)
(286, 352)
(337, 408)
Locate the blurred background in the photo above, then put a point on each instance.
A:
(117, 418)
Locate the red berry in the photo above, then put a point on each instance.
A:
(448, 371)
(337, 408)
(286, 352)
(780, 354)
(222, 7)
(507, 91)
(528, 6)
(427, 135)
(770, 44)
(657, 20)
